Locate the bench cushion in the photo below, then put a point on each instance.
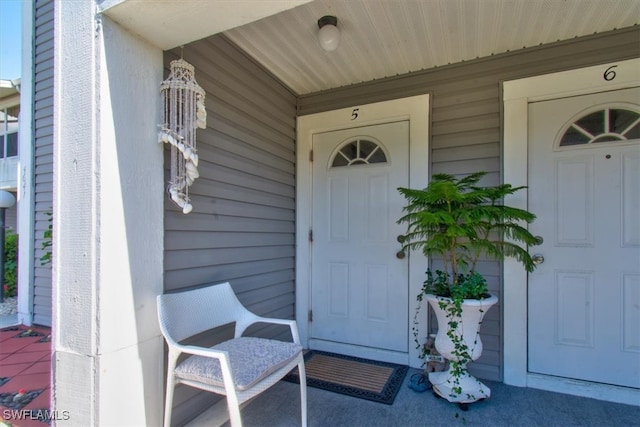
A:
(251, 359)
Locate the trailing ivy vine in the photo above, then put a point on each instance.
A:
(47, 237)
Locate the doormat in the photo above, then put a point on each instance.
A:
(352, 376)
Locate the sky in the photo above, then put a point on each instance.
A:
(10, 39)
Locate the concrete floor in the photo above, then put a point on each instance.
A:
(507, 406)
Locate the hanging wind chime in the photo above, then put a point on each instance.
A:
(183, 112)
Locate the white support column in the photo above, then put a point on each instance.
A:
(74, 214)
(25, 172)
(108, 222)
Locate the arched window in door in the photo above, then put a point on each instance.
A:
(603, 125)
(358, 151)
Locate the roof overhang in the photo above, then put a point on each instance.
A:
(179, 22)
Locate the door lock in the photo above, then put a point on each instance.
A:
(537, 259)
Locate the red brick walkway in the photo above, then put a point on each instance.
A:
(25, 369)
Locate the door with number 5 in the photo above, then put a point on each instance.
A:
(359, 284)
(354, 285)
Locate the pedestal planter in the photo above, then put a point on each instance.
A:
(459, 222)
(461, 388)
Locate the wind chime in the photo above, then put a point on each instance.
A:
(184, 111)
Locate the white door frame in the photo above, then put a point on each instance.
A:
(517, 94)
(416, 110)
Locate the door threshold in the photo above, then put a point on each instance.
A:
(598, 391)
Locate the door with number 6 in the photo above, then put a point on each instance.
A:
(584, 184)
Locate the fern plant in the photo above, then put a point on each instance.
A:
(461, 222)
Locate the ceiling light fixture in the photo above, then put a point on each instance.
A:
(329, 34)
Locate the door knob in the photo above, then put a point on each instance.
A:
(537, 259)
(400, 255)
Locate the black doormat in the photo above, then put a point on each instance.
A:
(352, 376)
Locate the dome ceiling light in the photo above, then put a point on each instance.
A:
(329, 34)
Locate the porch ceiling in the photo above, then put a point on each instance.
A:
(171, 23)
(383, 38)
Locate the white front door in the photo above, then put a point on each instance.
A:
(584, 185)
(359, 285)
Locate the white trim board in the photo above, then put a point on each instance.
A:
(416, 110)
(26, 200)
(517, 94)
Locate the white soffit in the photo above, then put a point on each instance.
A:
(383, 38)
(170, 23)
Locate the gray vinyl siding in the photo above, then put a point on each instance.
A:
(43, 153)
(466, 124)
(242, 227)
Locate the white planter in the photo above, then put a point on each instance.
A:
(469, 328)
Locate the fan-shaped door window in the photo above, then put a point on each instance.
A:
(359, 151)
(603, 125)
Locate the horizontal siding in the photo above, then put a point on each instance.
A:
(237, 272)
(466, 124)
(177, 240)
(196, 258)
(242, 227)
(43, 162)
